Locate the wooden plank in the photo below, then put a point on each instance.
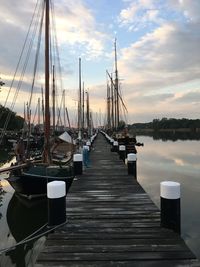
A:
(112, 222)
(149, 263)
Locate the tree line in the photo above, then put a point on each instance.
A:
(170, 123)
(15, 123)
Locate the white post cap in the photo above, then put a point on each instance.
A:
(131, 157)
(170, 190)
(115, 143)
(77, 157)
(56, 189)
(122, 148)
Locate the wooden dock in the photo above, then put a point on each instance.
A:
(112, 222)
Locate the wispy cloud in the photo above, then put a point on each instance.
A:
(78, 28)
(138, 14)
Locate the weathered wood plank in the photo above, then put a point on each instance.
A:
(112, 222)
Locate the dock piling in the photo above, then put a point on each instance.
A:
(132, 164)
(56, 194)
(78, 164)
(122, 152)
(170, 205)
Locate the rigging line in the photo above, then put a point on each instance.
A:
(53, 52)
(59, 111)
(117, 92)
(125, 111)
(37, 54)
(21, 54)
(56, 43)
(20, 81)
(36, 110)
(26, 61)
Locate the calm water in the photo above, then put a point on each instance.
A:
(157, 161)
(174, 161)
(19, 218)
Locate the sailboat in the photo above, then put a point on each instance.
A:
(115, 103)
(31, 180)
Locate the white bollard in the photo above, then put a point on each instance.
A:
(132, 164)
(122, 152)
(78, 164)
(56, 194)
(115, 146)
(170, 205)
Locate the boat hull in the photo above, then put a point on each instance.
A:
(32, 182)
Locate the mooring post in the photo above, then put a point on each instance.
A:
(132, 164)
(78, 164)
(115, 146)
(170, 205)
(56, 194)
(122, 152)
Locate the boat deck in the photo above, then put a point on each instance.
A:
(112, 222)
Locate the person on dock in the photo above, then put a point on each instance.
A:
(85, 152)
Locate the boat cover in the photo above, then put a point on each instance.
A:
(66, 137)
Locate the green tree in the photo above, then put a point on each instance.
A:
(15, 122)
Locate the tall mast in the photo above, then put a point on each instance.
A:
(39, 113)
(108, 105)
(79, 102)
(116, 88)
(47, 113)
(53, 96)
(42, 93)
(83, 107)
(88, 113)
(64, 111)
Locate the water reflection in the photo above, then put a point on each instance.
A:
(5, 156)
(172, 135)
(23, 218)
(2, 192)
(176, 161)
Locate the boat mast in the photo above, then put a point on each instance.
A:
(116, 88)
(64, 112)
(88, 114)
(47, 113)
(108, 106)
(53, 96)
(79, 103)
(83, 107)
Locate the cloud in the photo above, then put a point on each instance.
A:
(138, 14)
(78, 28)
(191, 10)
(190, 97)
(77, 32)
(151, 99)
(169, 55)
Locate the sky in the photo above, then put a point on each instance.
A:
(157, 49)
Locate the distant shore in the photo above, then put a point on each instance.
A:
(179, 130)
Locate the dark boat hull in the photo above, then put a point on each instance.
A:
(33, 181)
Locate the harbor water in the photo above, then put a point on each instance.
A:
(159, 160)
(167, 160)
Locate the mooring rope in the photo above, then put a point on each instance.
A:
(32, 237)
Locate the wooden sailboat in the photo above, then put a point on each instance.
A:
(114, 100)
(32, 179)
